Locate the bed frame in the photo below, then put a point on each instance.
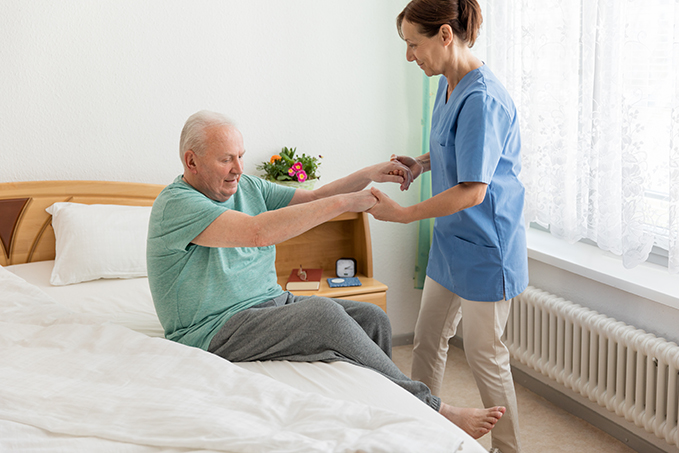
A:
(26, 230)
(26, 233)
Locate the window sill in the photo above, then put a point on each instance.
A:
(647, 280)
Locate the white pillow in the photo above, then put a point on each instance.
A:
(98, 241)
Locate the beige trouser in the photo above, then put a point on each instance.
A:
(483, 324)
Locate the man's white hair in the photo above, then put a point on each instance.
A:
(194, 136)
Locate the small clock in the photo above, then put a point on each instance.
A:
(345, 267)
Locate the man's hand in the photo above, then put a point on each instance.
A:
(361, 201)
(387, 209)
(392, 171)
(414, 166)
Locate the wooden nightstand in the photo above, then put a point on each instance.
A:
(347, 235)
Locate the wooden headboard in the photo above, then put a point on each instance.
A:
(26, 233)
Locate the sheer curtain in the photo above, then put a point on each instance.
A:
(596, 84)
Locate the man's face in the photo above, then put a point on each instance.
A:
(217, 171)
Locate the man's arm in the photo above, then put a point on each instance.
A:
(237, 229)
(307, 209)
(391, 171)
(416, 165)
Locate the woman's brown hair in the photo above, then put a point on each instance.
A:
(463, 16)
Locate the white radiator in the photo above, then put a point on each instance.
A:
(626, 370)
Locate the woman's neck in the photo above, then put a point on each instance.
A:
(460, 67)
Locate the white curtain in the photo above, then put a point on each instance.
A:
(596, 83)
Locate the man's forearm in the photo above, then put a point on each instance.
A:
(237, 229)
(356, 181)
(353, 182)
(273, 227)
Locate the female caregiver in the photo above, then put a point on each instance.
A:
(478, 258)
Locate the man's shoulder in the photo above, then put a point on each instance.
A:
(177, 200)
(252, 188)
(178, 187)
(253, 182)
(177, 191)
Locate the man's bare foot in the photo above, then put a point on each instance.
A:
(475, 422)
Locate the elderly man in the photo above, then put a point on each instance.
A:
(211, 266)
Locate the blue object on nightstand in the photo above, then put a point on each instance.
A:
(343, 281)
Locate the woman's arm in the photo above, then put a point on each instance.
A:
(455, 199)
(417, 166)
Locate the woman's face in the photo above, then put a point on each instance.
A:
(426, 52)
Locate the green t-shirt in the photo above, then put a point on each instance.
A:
(197, 289)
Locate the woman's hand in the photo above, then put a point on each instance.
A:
(414, 166)
(391, 171)
(387, 209)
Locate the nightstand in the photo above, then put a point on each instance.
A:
(347, 235)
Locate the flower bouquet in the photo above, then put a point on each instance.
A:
(286, 167)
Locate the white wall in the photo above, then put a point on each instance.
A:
(100, 90)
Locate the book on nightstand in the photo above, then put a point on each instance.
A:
(312, 282)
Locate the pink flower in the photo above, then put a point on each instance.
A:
(297, 166)
(301, 176)
(291, 171)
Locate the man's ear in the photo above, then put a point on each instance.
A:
(190, 161)
(446, 35)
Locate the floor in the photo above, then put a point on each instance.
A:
(545, 428)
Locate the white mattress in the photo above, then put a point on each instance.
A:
(127, 302)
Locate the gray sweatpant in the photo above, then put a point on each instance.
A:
(312, 328)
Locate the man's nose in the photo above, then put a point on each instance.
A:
(238, 168)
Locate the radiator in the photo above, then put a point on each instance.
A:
(621, 368)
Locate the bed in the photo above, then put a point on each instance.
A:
(84, 366)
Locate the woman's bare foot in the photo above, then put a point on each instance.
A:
(475, 422)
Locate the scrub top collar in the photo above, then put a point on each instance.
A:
(467, 80)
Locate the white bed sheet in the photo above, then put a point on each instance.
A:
(125, 301)
(339, 382)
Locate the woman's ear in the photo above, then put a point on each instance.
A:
(446, 35)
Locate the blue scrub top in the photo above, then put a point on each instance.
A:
(480, 252)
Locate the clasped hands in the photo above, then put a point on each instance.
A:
(399, 169)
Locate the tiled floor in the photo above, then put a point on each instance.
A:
(545, 428)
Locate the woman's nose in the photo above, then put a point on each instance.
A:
(409, 55)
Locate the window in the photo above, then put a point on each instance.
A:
(596, 84)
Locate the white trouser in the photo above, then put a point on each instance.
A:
(483, 324)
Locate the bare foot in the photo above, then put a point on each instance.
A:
(475, 422)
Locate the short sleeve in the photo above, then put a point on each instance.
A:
(275, 196)
(482, 130)
(183, 217)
